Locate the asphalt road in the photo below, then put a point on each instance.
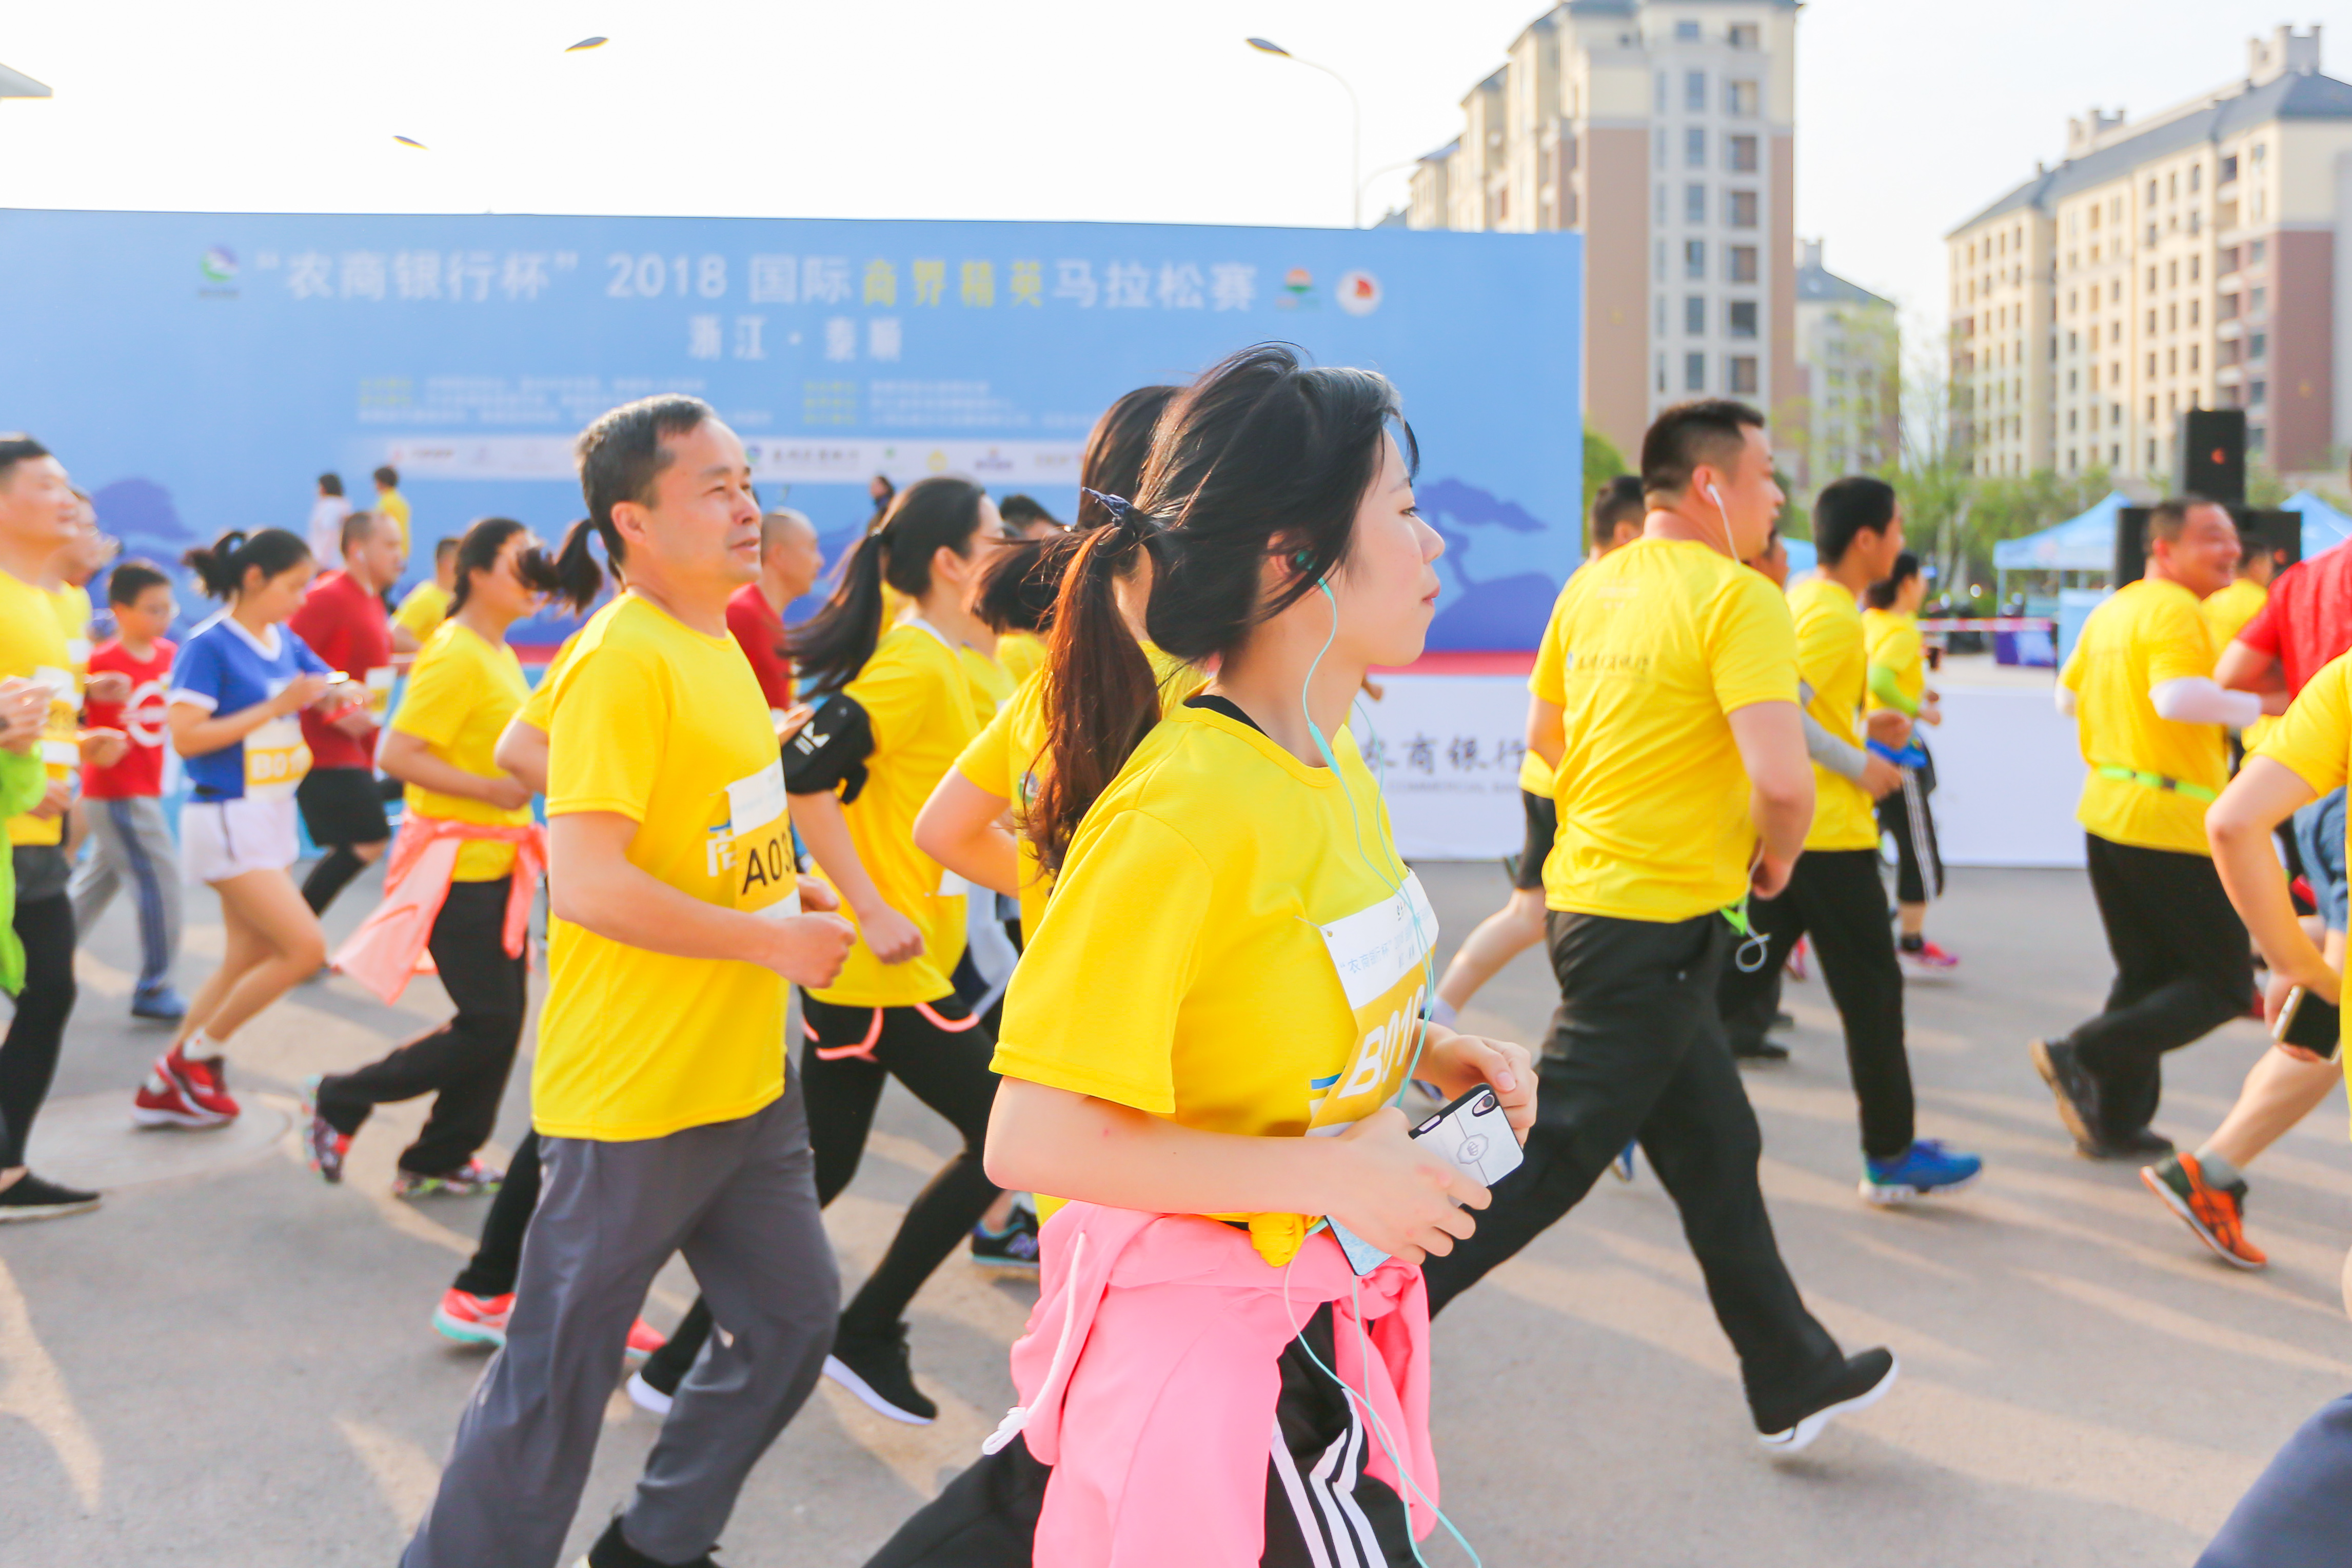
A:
(231, 1364)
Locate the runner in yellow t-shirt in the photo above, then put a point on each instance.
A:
(466, 686)
(659, 1092)
(427, 602)
(2226, 614)
(1519, 925)
(1898, 685)
(1834, 894)
(2139, 685)
(391, 503)
(1682, 787)
(893, 708)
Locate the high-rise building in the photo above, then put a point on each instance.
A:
(1664, 131)
(2194, 258)
(1843, 416)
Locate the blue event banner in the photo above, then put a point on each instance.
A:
(196, 372)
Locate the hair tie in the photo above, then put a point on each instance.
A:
(1124, 514)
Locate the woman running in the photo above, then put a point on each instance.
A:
(1898, 680)
(895, 706)
(1234, 957)
(458, 884)
(238, 687)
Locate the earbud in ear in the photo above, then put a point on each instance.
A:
(1715, 495)
(1303, 560)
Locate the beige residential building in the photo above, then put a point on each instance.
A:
(1663, 131)
(1843, 416)
(2194, 258)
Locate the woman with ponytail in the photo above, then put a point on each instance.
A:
(1208, 1029)
(237, 687)
(895, 704)
(458, 885)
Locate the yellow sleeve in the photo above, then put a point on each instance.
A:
(443, 688)
(617, 692)
(1751, 644)
(987, 762)
(418, 613)
(1819, 642)
(2314, 735)
(1549, 680)
(2178, 646)
(1132, 901)
(896, 692)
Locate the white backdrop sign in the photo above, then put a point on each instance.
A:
(1446, 749)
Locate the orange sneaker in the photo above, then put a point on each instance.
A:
(2217, 1214)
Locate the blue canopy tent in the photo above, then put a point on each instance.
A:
(2084, 543)
(2323, 528)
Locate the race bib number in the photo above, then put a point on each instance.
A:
(379, 692)
(275, 757)
(1380, 953)
(60, 744)
(950, 885)
(754, 849)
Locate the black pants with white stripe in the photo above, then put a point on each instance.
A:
(1321, 1510)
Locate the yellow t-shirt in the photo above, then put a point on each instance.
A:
(426, 606)
(2225, 614)
(919, 696)
(2149, 632)
(2314, 737)
(1832, 660)
(1534, 777)
(1002, 759)
(1653, 646)
(394, 504)
(34, 644)
(1022, 654)
(992, 683)
(538, 710)
(664, 725)
(1191, 963)
(460, 696)
(1892, 639)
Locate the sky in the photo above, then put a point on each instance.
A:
(1911, 114)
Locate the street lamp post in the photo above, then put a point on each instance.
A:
(1356, 144)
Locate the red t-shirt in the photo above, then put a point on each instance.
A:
(141, 771)
(2307, 620)
(760, 631)
(345, 625)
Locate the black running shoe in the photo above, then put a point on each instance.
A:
(875, 1368)
(1861, 1383)
(1758, 1051)
(29, 1198)
(613, 1550)
(2076, 1092)
(1014, 1247)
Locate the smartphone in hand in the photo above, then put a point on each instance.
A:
(2306, 1021)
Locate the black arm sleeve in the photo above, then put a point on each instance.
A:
(830, 751)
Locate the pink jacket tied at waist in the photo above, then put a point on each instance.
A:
(390, 947)
(1148, 1380)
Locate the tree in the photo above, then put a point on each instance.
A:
(1603, 463)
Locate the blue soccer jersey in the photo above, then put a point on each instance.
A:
(224, 669)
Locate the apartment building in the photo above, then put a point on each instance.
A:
(1664, 131)
(2194, 258)
(1846, 415)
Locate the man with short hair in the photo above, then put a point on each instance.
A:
(1026, 520)
(1834, 894)
(392, 504)
(790, 560)
(343, 622)
(427, 604)
(1667, 686)
(665, 1120)
(2139, 685)
(327, 514)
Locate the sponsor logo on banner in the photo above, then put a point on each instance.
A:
(1360, 293)
(1298, 290)
(219, 263)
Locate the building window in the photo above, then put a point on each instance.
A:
(1741, 212)
(2192, 364)
(2152, 193)
(2227, 309)
(1743, 154)
(2256, 438)
(1694, 148)
(1661, 106)
(1694, 260)
(1741, 100)
(2256, 252)
(1687, 32)
(2228, 169)
(2258, 394)
(1694, 91)
(1693, 372)
(2193, 311)
(1662, 315)
(2258, 345)
(1745, 36)
(1743, 374)
(1741, 320)
(1694, 316)
(1658, 145)
(2151, 370)
(1743, 264)
(1694, 203)
(1662, 373)
(2260, 304)
(1658, 262)
(2196, 175)
(2229, 261)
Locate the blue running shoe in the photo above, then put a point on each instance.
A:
(1926, 1169)
(163, 1006)
(1621, 1168)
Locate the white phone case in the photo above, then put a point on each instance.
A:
(1475, 1138)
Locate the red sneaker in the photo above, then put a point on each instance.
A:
(179, 1093)
(474, 1320)
(1926, 958)
(644, 1340)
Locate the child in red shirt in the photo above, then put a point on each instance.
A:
(130, 841)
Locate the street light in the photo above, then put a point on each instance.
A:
(1356, 147)
(17, 84)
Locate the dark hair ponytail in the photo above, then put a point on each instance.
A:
(834, 644)
(220, 567)
(478, 551)
(578, 579)
(1883, 595)
(1263, 454)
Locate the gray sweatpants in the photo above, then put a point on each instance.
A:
(131, 848)
(739, 1200)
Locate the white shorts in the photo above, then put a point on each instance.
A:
(221, 839)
